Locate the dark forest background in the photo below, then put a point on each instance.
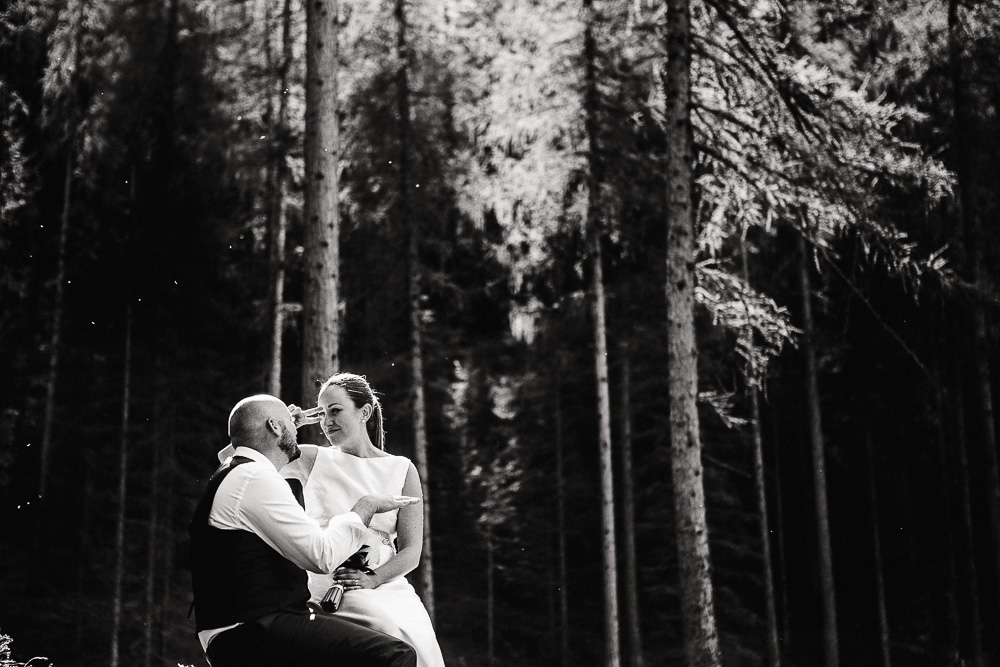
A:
(142, 153)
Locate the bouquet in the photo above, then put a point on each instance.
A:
(359, 561)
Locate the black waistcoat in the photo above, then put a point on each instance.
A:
(236, 576)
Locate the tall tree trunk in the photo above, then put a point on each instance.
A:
(277, 293)
(564, 649)
(595, 179)
(419, 415)
(119, 571)
(167, 548)
(952, 621)
(773, 646)
(830, 647)
(883, 617)
(52, 377)
(490, 600)
(411, 226)
(278, 216)
(56, 334)
(631, 575)
(701, 640)
(553, 585)
(973, 247)
(152, 537)
(770, 605)
(974, 624)
(83, 554)
(321, 260)
(612, 653)
(152, 616)
(269, 118)
(779, 514)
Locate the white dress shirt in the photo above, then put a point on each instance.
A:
(254, 497)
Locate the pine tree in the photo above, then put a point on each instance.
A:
(321, 260)
(701, 646)
(117, 598)
(594, 234)
(279, 177)
(974, 239)
(752, 389)
(410, 223)
(831, 651)
(630, 575)
(62, 89)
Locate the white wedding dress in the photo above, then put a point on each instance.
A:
(332, 482)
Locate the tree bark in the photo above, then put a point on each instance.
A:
(973, 247)
(612, 654)
(631, 575)
(830, 642)
(56, 337)
(411, 226)
(595, 179)
(419, 415)
(119, 568)
(701, 641)
(278, 216)
(277, 295)
(883, 616)
(770, 607)
(321, 260)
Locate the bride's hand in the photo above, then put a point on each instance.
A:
(302, 417)
(353, 580)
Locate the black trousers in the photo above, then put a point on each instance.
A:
(308, 640)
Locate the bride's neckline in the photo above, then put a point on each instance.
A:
(384, 455)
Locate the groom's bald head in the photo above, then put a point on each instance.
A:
(249, 420)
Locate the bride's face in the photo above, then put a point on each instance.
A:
(343, 422)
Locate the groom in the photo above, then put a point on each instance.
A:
(250, 544)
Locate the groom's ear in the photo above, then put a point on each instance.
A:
(273, 425)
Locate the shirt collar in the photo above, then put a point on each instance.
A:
(226, 453)
(229, 451)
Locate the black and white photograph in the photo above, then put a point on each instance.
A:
(499, 333)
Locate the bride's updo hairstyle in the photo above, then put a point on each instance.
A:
(360, 392)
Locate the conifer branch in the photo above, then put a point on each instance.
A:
(878, 317)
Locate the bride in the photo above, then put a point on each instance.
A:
(333, 478)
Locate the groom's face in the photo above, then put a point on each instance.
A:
(288, 443)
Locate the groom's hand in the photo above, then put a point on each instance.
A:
(369, 506)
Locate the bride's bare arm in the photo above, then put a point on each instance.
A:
(409, 535)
